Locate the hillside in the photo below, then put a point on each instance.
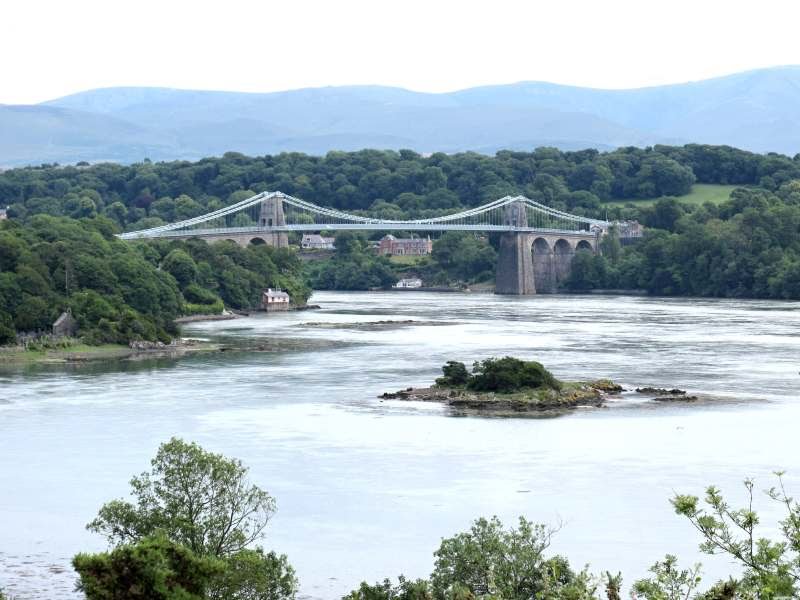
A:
(756, 110)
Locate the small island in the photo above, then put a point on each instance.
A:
(507, 387)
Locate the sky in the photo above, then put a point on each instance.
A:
(50, 48)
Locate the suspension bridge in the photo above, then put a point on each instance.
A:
(536, 245)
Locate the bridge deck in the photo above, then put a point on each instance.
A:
(315, 227)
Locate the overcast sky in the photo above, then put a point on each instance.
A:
(49, 48)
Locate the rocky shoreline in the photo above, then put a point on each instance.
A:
(539, 401)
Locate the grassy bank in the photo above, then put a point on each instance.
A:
(85, 353)
(701, 193)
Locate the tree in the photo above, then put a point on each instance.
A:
(668, 582)
(33, 314)
(196, 498)
(610, 245)
(254, 575)
(404, 590)
(455, 374)
(202, 504)
(181, 266)
(588, 271)
(154, 568)
(489, 561)
(771, 569)
(666, 213)
(510, 374)
(349, 243)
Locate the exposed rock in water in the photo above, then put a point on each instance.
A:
(676, 398)
(661, 391)
(606, 385)
(306, 307)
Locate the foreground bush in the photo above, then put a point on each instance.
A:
(204, 516)
(490, 562)
(152, 569)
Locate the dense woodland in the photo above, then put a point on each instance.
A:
(57, 248)
(119, 291)
(386, 183)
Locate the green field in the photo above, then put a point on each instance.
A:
(408, 259)
(701, 192)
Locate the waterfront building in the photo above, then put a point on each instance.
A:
(630, 229)
(275, 300)
(393, 246)
(412, 282)
(65, 324)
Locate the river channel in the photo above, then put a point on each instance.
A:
(366, 488)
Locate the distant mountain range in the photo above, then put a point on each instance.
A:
(756, 110)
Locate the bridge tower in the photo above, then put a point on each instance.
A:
(271, 215)
(514, 261)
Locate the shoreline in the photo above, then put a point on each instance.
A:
(82, 353)
(527, 402)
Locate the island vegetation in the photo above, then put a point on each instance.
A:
(193, 527)
(507, 386)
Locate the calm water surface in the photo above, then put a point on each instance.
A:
(366, 488)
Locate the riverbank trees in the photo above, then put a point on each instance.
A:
(120, 291)
(748, 246)
(354, 266)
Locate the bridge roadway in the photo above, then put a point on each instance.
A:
(255, 230)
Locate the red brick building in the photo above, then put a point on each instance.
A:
(404, 247)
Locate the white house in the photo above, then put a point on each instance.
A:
(409, 283)
(315, 241)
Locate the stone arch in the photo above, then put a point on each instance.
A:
(584, 245)
(562, 259)
(543, 273)
(541, 246)
(562, 246)
(257, 241)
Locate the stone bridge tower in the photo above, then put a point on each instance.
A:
(514, 261)
(272, 216)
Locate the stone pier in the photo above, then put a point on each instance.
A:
(530, 263)
(515, 272)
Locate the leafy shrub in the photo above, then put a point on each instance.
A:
(154, 568)
(198, 295)
(455, 374)
(404, 590)
(510, 374)
(215, 308)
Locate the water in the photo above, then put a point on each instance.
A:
(366, 488)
